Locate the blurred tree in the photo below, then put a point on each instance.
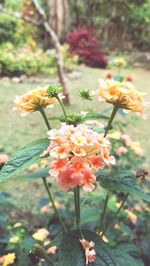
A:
(59, 16)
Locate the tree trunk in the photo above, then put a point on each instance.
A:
(57, 45)
(59, 16)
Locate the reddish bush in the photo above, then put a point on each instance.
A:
(83, 43)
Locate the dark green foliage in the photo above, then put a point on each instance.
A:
(23, 158)
(71, 251)
(121, 181)
(8, 26)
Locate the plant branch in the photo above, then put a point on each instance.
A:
(42, 253)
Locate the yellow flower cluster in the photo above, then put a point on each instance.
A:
(7, 259)
(33, 100)
(121, 94)
(119, 62)
(14, 239)
(41, 234)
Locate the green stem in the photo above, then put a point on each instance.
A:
(114, 111)
(103, 214)
(114, 218)
(62, 106)
(42, 253)
(53, 204)
(77, 209)
(41, 109)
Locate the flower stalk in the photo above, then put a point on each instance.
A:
(77, 206)
(41, 109)
(45, 181)
(114, 111)
(53, 204)
(62, 106)
(103, 214)
(114, 218)
(102, 217)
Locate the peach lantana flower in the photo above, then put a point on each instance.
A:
(119, 62)
(14, 239)
(90, 253)
(8, 259)
(78, 153)
(33, 100)
(41, 234)
(121, 94)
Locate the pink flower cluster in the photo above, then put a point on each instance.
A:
(78, 152)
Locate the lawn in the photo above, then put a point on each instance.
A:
(16, 131)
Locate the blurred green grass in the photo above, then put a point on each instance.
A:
(16, 131)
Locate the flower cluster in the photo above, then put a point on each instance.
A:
(119, 62)
(33, 100)
(90, 253)
(121, 94)
(8, 259)
(78, 152)
(41, 234)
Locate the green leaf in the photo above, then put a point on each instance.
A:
(128, 254)
(89, 214)
(41, 173)
(23, 159)
(71, 252)
(122, 181)
(125, 259)
(92, 115)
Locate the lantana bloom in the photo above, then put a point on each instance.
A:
(78, 152)
(14, 239)
(119, 62)
(8, 259)
(33, 100)
(90, 253)
(121, 94)
(41, 234)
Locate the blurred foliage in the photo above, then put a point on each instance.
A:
(27, 59)
(8, 26)
(118, 23)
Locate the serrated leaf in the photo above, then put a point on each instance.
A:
(125, 259)
(71, 252)
(23, 159)
(122, 181)
(41, 173)
(128, 254)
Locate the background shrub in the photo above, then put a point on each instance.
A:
(83, 43)
(8, 27)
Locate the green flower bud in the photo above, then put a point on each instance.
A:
(85, 94)
(53, 90)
